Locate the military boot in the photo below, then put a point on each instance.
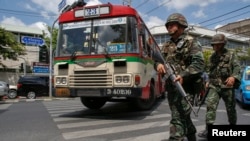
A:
(203, 134)
(191, 137)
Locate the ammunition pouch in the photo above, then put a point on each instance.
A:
(224, 73)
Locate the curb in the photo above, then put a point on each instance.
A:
(23, 99)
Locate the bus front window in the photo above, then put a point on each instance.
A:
(72, 38)
(99, 36)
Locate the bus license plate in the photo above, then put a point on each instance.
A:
(119, 92)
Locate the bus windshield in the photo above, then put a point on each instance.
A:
(98, 36)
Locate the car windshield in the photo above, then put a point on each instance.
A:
(99, 36)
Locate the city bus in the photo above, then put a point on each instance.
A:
(104, 54)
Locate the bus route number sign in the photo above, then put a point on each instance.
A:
(91, 12)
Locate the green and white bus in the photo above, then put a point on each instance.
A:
(104, 53)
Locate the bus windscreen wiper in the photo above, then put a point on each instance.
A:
(73, 55)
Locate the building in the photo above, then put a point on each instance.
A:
(203, 35)
(241, 28)
(31, 38)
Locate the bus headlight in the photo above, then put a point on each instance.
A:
(122, 79)
(126, 79)
(61, 81)
(118, 79)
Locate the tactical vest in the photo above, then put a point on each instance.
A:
(178, 54)
(220, 68)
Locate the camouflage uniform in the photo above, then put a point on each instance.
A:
(222, 66)
(186, 56)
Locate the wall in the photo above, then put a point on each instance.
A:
(11, 77)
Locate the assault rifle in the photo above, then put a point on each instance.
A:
(203, 99)
(170, 73)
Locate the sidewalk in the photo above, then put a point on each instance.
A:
(24, 99)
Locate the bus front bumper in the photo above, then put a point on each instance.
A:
(102, 92)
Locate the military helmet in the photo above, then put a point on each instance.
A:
(177, 17)
(219, 39)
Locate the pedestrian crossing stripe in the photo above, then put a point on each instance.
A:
(149, 126)
(100, 122)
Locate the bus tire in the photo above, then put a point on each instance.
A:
(93, 102)
(146, 104)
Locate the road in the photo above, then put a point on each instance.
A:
(69, 120)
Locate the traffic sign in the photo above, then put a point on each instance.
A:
(32, 40)
(40, 69)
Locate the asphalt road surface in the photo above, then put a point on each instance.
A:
(69, 120)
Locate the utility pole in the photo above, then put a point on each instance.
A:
(51, 59)
(24, 65)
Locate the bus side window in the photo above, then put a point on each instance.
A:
(132, 39)
(150, 45)
(147, 43)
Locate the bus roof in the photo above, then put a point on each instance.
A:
(102, 10)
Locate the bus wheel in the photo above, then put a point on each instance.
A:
(93, 102)
(146, 104)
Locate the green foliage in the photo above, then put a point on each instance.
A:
(54, 37)
(243, 55)
(207, 54)
(9, 47)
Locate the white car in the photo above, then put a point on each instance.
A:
(12, 92)
(4, 89)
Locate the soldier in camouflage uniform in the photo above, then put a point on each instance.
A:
(224, 72)
(185, 54)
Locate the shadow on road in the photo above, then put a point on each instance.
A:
(114, 111)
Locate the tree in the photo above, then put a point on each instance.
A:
(243, 55)
(207, 54)
(9, 47)
(54, 37)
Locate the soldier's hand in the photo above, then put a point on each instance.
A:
(230, 81)
(207, 85)
(179, 78)
(160, 68)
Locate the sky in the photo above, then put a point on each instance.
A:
(209, 14)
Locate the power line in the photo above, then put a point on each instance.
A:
(24, 13)
(224, 14)
(142, 4)
(18, 11)
(227, 19)
(158, 6)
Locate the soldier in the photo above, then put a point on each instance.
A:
(185, 54)
(224, 71)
